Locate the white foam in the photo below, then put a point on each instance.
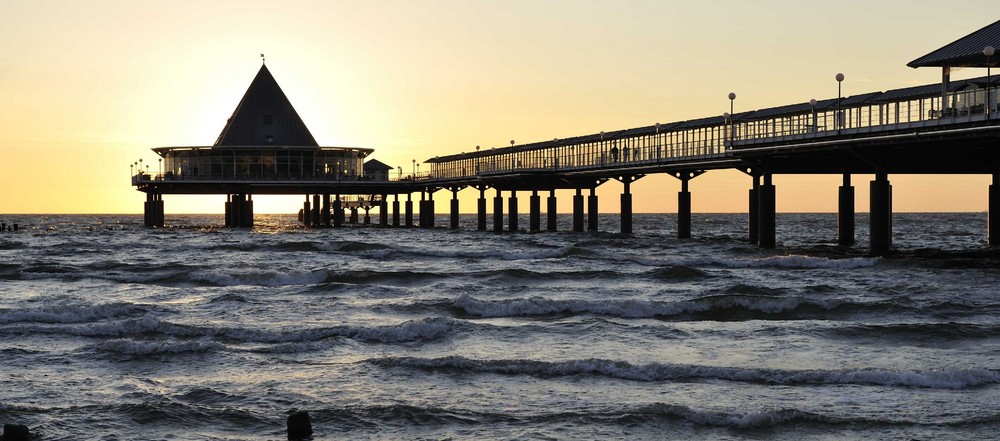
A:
(787, 262)
(132, 347)
(957, 379)
(70, 313)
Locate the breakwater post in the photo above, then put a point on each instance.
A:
(551, 210)
(845, 213)
(880, 225)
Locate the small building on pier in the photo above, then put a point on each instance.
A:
(265, 148)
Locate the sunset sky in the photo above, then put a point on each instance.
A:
(88, 87)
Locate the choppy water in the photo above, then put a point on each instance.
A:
(112, 331)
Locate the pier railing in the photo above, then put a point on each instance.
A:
(718, 137)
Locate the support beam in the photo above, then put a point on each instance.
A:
(229, 211)
(592, 210)
(512, 207)
(845, 213)
(429, 217)
(767, 215)
(880, 227)
(551, 212)
(354, 215)
(247, 213)
(368, 217)
(498, 212)
(534, 212)
(578, 210)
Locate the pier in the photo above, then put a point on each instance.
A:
(951, 127)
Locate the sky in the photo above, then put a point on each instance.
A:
(89, 87)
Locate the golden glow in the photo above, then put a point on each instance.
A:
(89, 87)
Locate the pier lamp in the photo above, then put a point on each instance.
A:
(657, 125)
(812, 108)
(140, 166)
(840, 117)
(414, 161)
(130, 171)
(400, 176)
(159, 165)
(732, 98)
(988, 51)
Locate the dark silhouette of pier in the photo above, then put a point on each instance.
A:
(951, 127)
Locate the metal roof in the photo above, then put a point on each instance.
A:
(265, 116)
(966, 51)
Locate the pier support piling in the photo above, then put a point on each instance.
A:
(845, 213)
(454, 209)
(551, 212)
(368, 218)
(753, 211)
(880, 224)
(326, 210)
(498, 212)
(578, 210)
(626, 210)
(481, 210)
(428, 212)
(395, 211)
(306, 213)
(383, 211)
(338, 212)
(317, 208)
(592, 210)
(684, 211)
(534, 212)
(354, 215)
(767, 217)
(993, 216)
(512, 207)
(409, 210)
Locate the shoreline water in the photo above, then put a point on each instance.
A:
(201, 332)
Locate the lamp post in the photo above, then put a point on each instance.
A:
(725, 136)
(732, 133)
(414, 168)
(400, 176)
(839, 119)
(130, 170)
(159, 165)
(812, 107)
(988, 51)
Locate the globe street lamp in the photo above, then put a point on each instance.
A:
(812, 106)
(840, 117)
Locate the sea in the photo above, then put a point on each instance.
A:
(113, 331)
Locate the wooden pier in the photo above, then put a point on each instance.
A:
(952, 127)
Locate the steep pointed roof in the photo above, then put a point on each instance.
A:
(265, 116)
(966, 51)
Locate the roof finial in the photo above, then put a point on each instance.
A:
(262, 59)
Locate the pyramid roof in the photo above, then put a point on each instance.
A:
(265, 116)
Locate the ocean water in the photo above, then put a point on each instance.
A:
(109, 330)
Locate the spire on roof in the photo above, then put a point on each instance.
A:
(265, 116)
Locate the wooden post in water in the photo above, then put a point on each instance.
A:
(753, 213)
(395, 210)
(409, 210)
(626, 210)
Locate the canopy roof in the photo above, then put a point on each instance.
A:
(966, 51)
(265, 117)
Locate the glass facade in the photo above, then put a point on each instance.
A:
(263, 163)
